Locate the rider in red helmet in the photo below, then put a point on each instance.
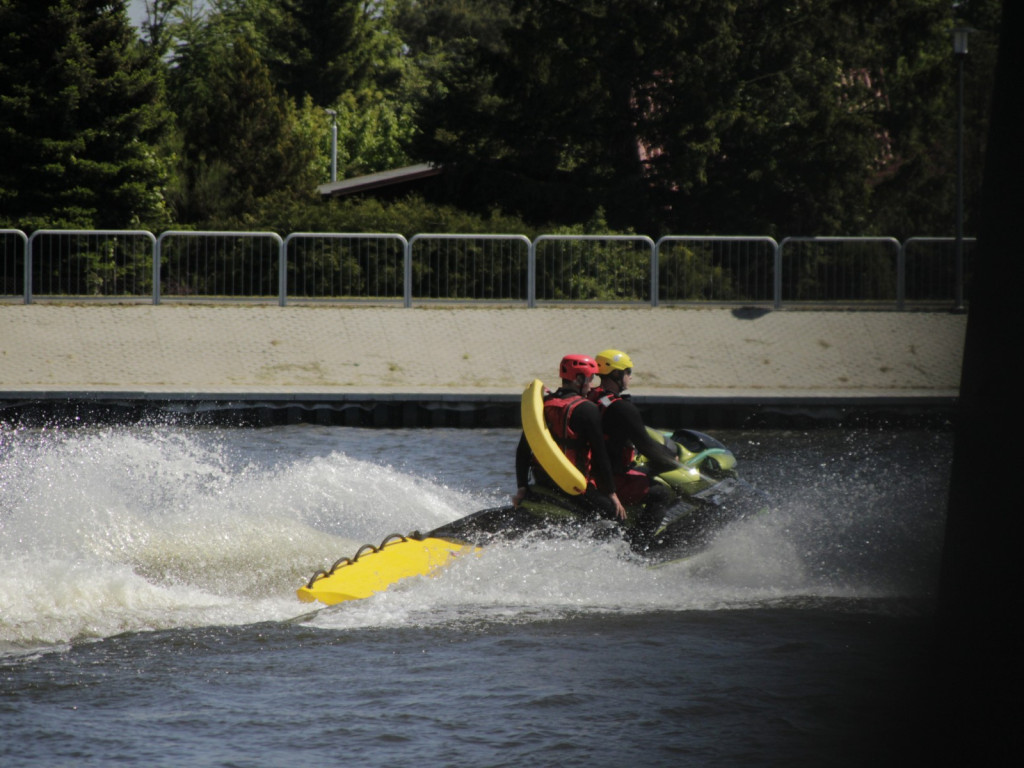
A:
(575, 424)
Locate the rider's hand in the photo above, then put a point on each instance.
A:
(519, 496)
(620, 511)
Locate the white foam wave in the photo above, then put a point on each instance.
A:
(110, 531)
(105, 531)
(748, 565)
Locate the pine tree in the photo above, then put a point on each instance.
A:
(81, 115)
(324, 48)
(241, 139)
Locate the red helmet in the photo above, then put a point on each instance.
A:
(574, 365)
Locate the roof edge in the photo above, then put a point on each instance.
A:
(376, 180)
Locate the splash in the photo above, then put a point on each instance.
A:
(106, 531)
(111, 531)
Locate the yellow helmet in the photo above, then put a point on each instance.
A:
(612, 360)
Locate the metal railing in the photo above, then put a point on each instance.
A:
(13, 250)
(468, 267)
(347, 267)
(848, 269)
(89, 263)
(511, 269)
(217, 265)
(620, 268)
(930, 268)
(694, 268)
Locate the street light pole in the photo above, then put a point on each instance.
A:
(334, 144)
(960, 52)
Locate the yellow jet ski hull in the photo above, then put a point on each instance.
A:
(374, 569)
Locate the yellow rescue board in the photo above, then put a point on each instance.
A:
(377, 568)
(543, 445)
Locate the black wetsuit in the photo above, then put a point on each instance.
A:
(585, 422)
(624, 428)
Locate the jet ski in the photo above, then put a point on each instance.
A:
(709, 495)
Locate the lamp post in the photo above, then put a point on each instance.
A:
(960, 35)
(334, 144)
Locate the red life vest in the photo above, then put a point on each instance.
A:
(558, 410)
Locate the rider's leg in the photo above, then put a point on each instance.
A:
(648, 517)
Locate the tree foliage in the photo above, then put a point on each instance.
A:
(326, 48)
(82, 113)
(241, 139)
(766, 116)
(781, 117)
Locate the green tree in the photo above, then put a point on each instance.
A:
(344, 56)
(81, 115)
(915, 192)
(294, 60)
(242, 141)
(159, 24)
(752, 116)
(326, 48)
(450, 81)
(763, 120)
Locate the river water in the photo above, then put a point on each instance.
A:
(148, 610)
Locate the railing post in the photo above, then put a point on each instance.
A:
(24, 253)
(156, 269)
(282, 272)
(407, 272)
(25, 262)
(28, 267)
(901, 278)
(531, 275)
(778, 272)
(654, 275)
(157, 262)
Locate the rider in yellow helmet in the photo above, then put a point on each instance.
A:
(613, 360)
(625, 435)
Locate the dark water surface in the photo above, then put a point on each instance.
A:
(148, 613)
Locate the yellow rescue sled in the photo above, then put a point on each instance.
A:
(374, 569)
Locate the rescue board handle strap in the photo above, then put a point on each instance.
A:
(350, 560)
